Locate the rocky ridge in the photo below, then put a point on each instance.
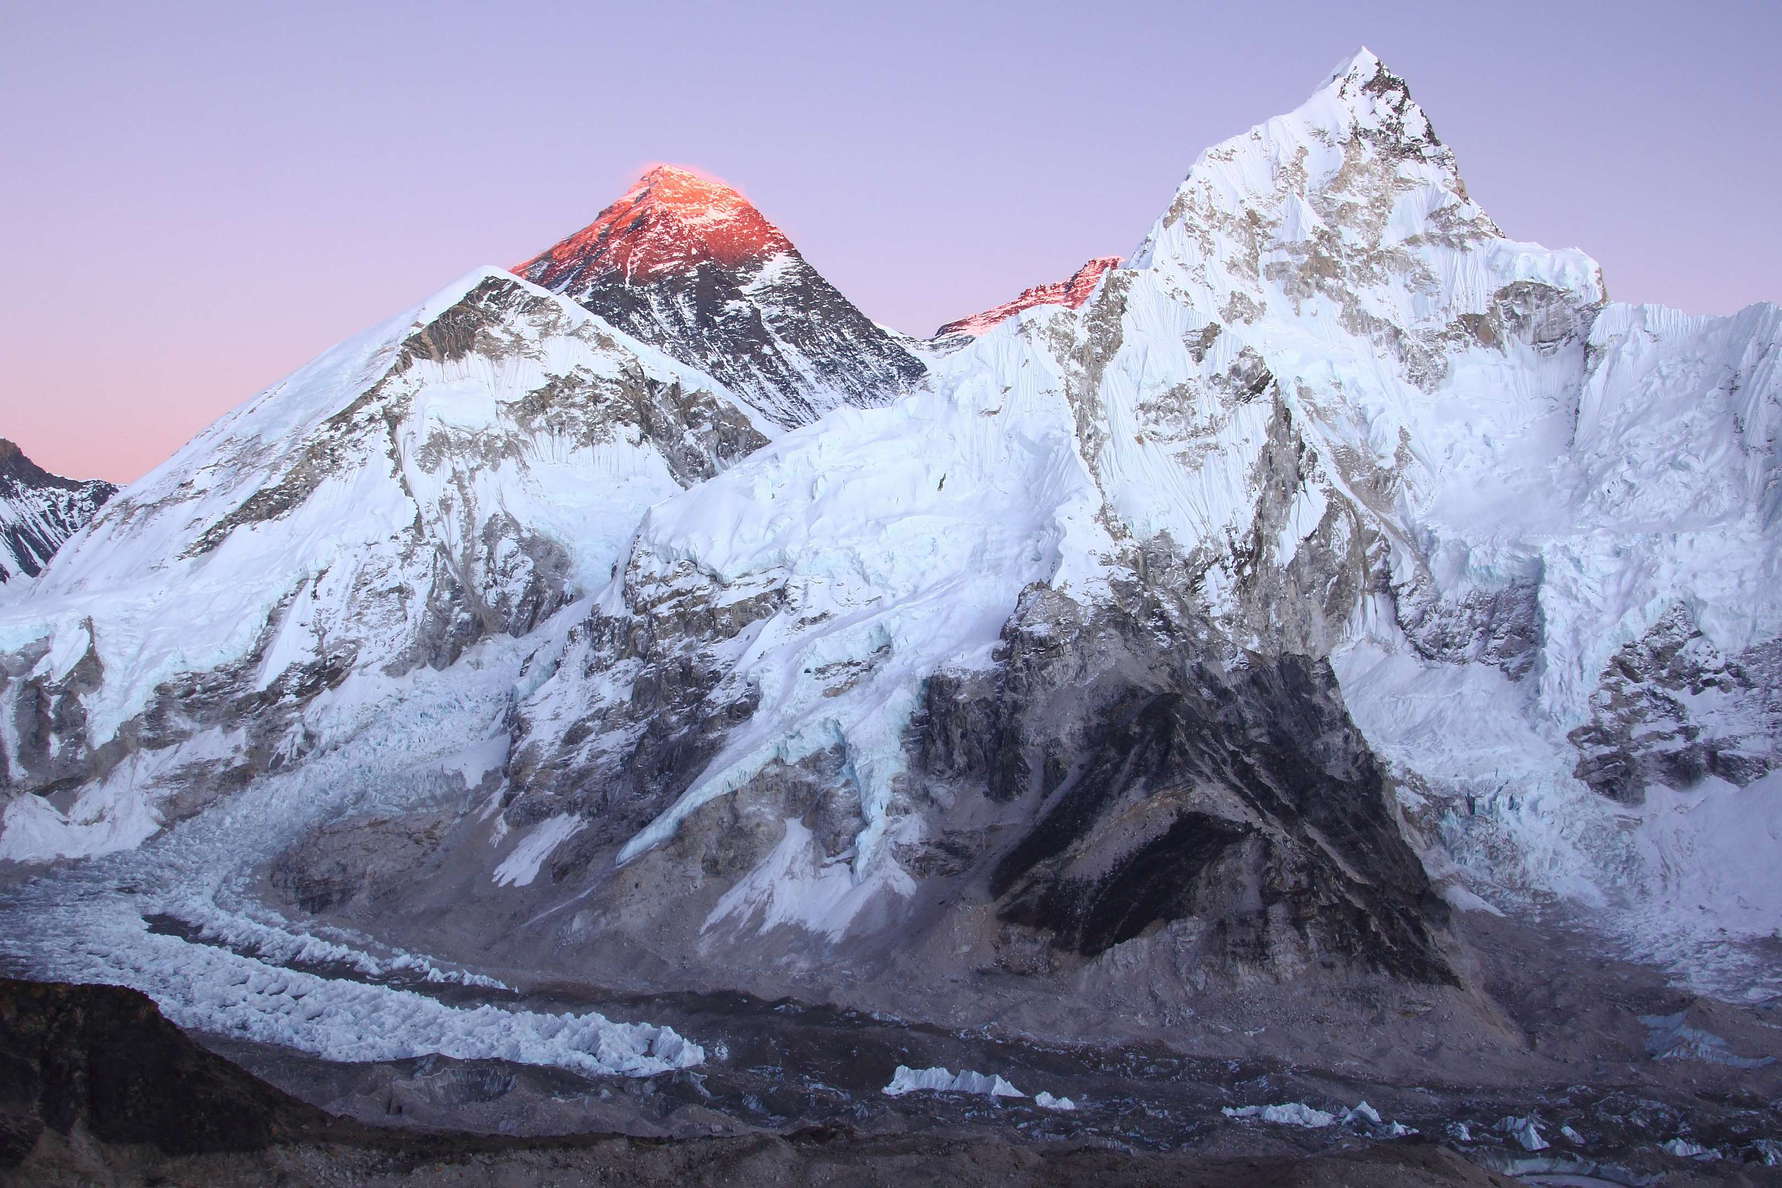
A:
(1070, 293)
(39, 511)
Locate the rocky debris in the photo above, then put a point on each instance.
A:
(99, 1086)
(813, 1158)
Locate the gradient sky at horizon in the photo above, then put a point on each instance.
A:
(201, 196)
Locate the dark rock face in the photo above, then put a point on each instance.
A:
(1670, 708)
(1148, 885)
(786, 344)
(1162, 788)
(102, 1061)
(1500, 627)
(40, 510)
(688, 265)
(621, 762)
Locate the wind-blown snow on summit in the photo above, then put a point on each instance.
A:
(672, 221)
(1215, 615)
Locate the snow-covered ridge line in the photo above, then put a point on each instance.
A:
(464, 469)
(1070, 293)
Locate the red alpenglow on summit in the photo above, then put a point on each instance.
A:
(1072, 292)
(672, 220)
(686, 264)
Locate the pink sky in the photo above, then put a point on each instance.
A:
(200, 196)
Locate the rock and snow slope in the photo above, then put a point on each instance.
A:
(1329, 410)
(688, 265)
(39, 511)
(1175, 623)
(460, 472)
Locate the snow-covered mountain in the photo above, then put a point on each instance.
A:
(688, 265)
(1327, 412)
(39, 511)
(1229, 611)
(458, 473)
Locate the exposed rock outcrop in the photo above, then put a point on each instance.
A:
(39, 511)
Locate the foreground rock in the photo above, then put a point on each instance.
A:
(99, 1088)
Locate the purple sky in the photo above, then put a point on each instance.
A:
(200, 196)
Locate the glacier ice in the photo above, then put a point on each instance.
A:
(941, 1080)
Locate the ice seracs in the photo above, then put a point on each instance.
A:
(908, 1080)
(1361, 1116)
(1293, 1113)
(941, 1080)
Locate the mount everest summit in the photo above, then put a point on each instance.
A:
(687, 265)
(1244, 611)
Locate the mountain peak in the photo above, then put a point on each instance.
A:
(39, 511)
(1363, 94)
(1071, 292)
(16, 467)
(670, 221)
(1362, 65)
